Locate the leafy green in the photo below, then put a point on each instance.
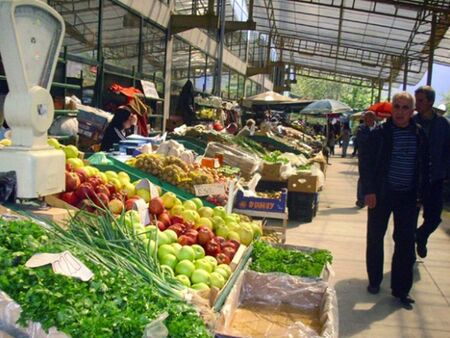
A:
(266, 258)
(275, 157)
(114, 303)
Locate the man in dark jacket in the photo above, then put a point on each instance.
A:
(437, 130)
(392, 175)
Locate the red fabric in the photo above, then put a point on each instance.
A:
(381, 109)
(129, 92)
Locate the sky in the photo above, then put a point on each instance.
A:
(440, 81)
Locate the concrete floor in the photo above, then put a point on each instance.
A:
(341, 227)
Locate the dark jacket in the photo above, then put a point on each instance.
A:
(362, 137)
(374, 163)
(439, 146)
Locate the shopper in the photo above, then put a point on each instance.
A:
(392, 174)
(249, 128)
(362, 137)
(331, 142)
(345, 138)
(119, 128)
(437, 129)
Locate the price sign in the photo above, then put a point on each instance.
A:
(149, 89)
(209, 189)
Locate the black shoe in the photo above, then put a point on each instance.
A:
(373, 289)
(360, 204)
(406, 300)
(422, 249)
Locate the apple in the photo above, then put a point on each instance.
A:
(115, 182)
(245, 234)
(186, 252)
(165, 218)
(212, 248)
(222, 272)
(101, 188)
(203, 221)
(69, 197)
(161, 226)
(103, 177)
(51, 141)
(101, 200)
(193, 234)
(177, 210)
(177, 228)
(220, 211)
(156, 207)
(69, 167)
(225, 267)
(206, 212)
(204, 235)
(111, 174)
(233, 226)
(111, 188)
(198, 202)
(222, 258)
(229, 251)
(222, 231)
(162, 238)
(220, 240)
(200, 276)
(129, 189)
(122, 175)
(71, 151)
(85, 190)
(200, 287)
(144, 194)
(86, 205)
(217, 222)
(199, 251)
(189, 215)
(169, 199)
(169, 260)
(174, 219)
(177, 247)
(204, 264)
(172, 235)
(234, 236)
(257, 230)
(150, 246)
(184, 280)
(185, 267)
(189, 205)
(72, 181)
(186, 240)
(212, 260)
(165, 249)
(217, 280)
(133, 216)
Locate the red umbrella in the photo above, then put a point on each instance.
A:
(381, 109)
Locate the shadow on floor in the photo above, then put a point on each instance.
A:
(341, 211)
(348, 172)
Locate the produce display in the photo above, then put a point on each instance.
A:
(275, 157)
(114, 303)
(266, 258)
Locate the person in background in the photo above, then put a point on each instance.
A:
(249, 128)
(331, 141)
(362, 136)
(122, 124)
(437, 129)
(345, 138)
(355, 141)
(392, 174)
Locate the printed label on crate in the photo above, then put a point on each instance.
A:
(209, 189)
(149, 89)
(256, 205)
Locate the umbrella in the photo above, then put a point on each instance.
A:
(382, 109)
(267, 98)
(326, 107)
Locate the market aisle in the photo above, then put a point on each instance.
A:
(341, 228)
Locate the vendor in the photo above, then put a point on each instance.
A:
(248, 129)
(123, 124)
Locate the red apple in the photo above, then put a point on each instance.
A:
(177, 228)
(212, 248)
(95, 181)
(185, 240)
(229, 251)
(102, 189)
(85, 204)
(156, 206)
(81, 174)
(223, 259)
(69, 167)
(85, 190)
(235, 243)
(220, 240)
(176, 219)
(111, 188)
(69, 197)
(193, 234)
(116, 206)
(161, 226)
(204, 235)
(165, 218)
(72, 181)
(101, 200)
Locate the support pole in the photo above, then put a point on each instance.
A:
(380, 88)
(218, 86)
(372, 93)
(390, 88)
(431, 52)
(405, 74)
(168, 73)
(100, 68)
(141, 45)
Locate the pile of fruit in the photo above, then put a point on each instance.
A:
(269, 194)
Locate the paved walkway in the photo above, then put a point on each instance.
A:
(341, 228)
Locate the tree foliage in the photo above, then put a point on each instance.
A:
(357, 97)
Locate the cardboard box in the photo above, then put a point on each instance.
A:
(91, 125)
(303, 183)
(271, 171)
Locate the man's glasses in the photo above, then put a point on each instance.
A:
(397, 106)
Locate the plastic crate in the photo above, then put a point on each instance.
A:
(261, 204)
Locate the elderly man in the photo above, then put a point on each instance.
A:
(392, 173)
(437, 130)
(362, 136)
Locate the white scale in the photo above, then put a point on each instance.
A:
(30, 41)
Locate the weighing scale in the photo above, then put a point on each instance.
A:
(30, 41)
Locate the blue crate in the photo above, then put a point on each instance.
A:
(261, 204)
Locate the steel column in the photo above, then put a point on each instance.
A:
(405, 74)
(100, 68)
(221, 36)
(431, 51)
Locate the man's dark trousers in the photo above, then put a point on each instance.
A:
(432, 208)
(403, 206)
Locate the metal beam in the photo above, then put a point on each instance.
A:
(405, 74)
(431, 50)
(180, 23)
(232, 26)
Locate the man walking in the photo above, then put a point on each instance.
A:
(392, 173)
(437, 129)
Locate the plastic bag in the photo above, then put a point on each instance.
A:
(99, 158)
(157, 329)
(8, 182)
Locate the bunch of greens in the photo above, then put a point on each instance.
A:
(114, 303)
(250, 145)
(228, 171)
(266, 258)
(275, 157)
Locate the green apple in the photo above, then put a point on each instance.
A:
(184, 280)
(144, 194)
(245, 233)
(200, 287)
(168, 199)
(163, 238)
(129, 189)
(151, 231)
(199, 251)
(234, 235)
(169, 260)
(186, 253)
(76, 163)
(220, 211)
(203, 221)
(257, 230)
(198, 202)
(229, 219)
(212, 260)
(189, 205)
(103, 177)
(217, 280)
(225, 267)
(165, 249)
(54, 143)
(200, 276)
(204, 264)
(222, 231)
(178, 202)
(190, 215)
(177, 247)
(217, 222)
(206, 212)
(233, 226)
(71, 151)
(177, 210)
(172, 235)
(111, 174)
(123, 176)
(222, 272)
(132, 216)
(185, 267)
(115, 182)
